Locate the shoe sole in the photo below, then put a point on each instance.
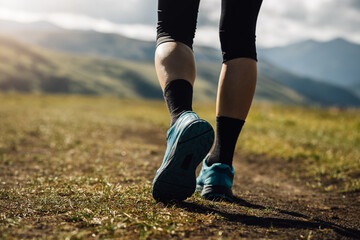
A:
(216, 193)
(177, 179)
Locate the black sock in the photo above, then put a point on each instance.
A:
(227, 132)
(178, 97)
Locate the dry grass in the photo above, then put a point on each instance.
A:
(79, 167)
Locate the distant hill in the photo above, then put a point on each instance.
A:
(11, 26)
(105, 63)
(323, 94)
(91, 43)
(335, 62)
(28, 69)
(88, 43)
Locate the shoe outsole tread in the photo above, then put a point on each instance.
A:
(176, 180)
(217, 193)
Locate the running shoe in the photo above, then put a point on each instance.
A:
(215, 182)
(188, 142)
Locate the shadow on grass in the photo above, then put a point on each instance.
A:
(269, 222)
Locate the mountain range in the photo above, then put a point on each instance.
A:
(46, 58)
(335, 62)
(30, 69)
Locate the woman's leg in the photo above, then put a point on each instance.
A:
(189, 138)
(235, 93)
(175, 68)
(236, 88)
(238, 75)
(174, 58)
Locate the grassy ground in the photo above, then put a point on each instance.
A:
(323, 143)
(81, 167)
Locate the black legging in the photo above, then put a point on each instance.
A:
(177, 23)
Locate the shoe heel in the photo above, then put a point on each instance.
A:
(165, 192)
(217, 193)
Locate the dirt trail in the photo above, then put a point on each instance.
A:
(272, 204)
(298, 208)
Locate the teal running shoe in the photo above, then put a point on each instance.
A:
(188, 142)
(215, 182)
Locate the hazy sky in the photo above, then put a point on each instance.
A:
(280, 21)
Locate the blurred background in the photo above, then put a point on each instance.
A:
(309, 51)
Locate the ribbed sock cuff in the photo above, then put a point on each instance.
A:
(178, 96)
(227, 133)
